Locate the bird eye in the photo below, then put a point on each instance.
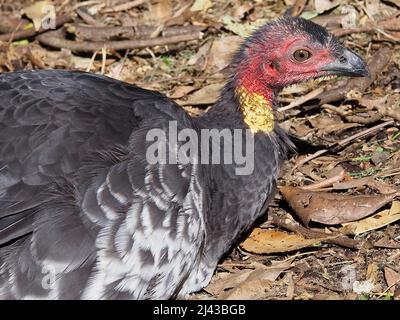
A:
(302, 55)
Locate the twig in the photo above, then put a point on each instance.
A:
(342, 143)
(89, 67)
(363, 133)
(298, 7)
(365, 120)
(103, 58)
(53, 39)
(125, 6)
(104, 33)
(32, 32)
(299, 101)
(89, 19)
(333, 108)
(293, 226)
(86, 4)
(326, 182)
(385, 25)
(309, 158)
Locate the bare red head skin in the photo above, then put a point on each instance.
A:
(292, 50)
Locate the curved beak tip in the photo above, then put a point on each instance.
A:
(348, 64)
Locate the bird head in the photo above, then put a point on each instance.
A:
(282, 53)
(293, 50)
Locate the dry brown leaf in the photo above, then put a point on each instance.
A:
(206, 95)
(374, 222)
(225, 281)
(353, 183)
(329, 124)
(325, 5)
(159, 11)
(241, 10)
(382, 187)
(181, 91)
(387, 243)
(222, 50)
(201, 5)
(331, 208)
(200, 57)
(236, 285)
(263, 241)
(42, 14)
(393, 281)
(248, 290)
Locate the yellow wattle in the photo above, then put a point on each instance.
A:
(257, 110)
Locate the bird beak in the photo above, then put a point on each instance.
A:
(348, 64)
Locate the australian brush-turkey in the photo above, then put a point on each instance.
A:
(84, 214)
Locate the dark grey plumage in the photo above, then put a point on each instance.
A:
(79, 200)
(85, 215)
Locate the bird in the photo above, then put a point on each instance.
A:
(93, 206)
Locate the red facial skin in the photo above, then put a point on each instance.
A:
(273, 67)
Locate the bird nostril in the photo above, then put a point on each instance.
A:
(343, 59)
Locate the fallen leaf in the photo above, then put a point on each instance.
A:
(201, 5)
(374, 222)
(325, 5)
(200, 54)
(181, 91)
(236, 284)
(308, 15)
(381, 186)
(80, 63)
(263, 241)
(350, 18)
(222, 51)
(331, 208)
(159, 11)
(393, 281)
(248, 290)
(372, 272)
(206, 95)
(354, 183)
(42, 14)
(240, 28)
(241, 10)
(387, 243)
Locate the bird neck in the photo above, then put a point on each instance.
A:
(245, 102)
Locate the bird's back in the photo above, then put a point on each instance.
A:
(77, 196)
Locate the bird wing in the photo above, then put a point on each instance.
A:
(101, 218)
(50, 121)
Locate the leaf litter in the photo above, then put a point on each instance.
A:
(284, 258)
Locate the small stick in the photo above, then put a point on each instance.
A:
(369, 29)
(54, 40)
(104, 33)
(342, 143)
(338, 110)
(298, 7)
(365, 120)
(89, 19)
(89, 67)
(364, 133)
(309, 158)
(299, 101)
(293, 226)
(103, 58)
(32, 32)
(86, 4)
(326, 183)
(125, 6)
